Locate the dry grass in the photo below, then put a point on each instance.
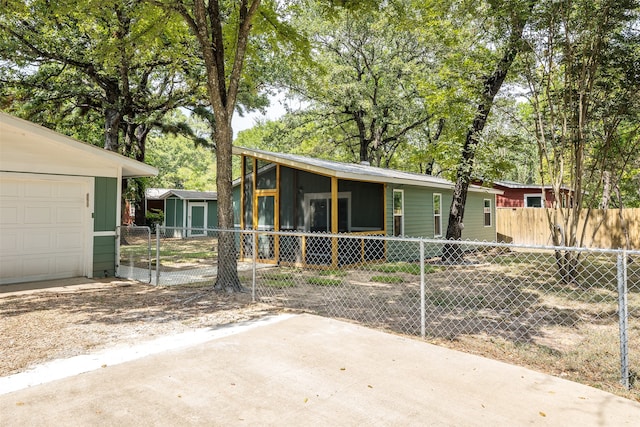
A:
(61, 322)
(489, 309)
(527, 320)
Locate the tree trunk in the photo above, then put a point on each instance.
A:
(111, 129)
(227, 279)
(207, 23)
(491, 86)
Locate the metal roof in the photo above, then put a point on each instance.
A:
(352, 171)
(155, 193)
(513, 184)
(190, 195)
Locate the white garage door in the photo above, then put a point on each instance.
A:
(43, 227)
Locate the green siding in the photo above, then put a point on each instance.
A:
(474, 228)
(174, 217)
(418, 210)
(174, 213)
(104, 256)
(419, 222)
(212, 214)
(105, 218)
(105, 204)
(418, 213)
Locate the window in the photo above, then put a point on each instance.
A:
(398, 212)
(437, 215)
(487, 212)
(532, 201)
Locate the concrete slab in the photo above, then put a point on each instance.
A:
(308, 370)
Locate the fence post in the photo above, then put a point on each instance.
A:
(623, 318)
(423, 317)
(117, 248)
(149, 251)
(254, 256)
(157, 255)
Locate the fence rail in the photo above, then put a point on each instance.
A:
(569, 307)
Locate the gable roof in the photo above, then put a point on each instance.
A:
(155, 193)
(27, 146)
(190, 195)
(518, 185)
(357, 172)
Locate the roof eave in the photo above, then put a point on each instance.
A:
(130, 168)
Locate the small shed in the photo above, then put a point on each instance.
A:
(190, 213)
(286, 192)
(60, 203)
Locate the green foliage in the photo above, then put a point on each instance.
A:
(583, 80)
(181, 164)
(365, 91)
(401, 78)
(81, 67)
(154, 217)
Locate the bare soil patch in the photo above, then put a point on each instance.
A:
(61, 322)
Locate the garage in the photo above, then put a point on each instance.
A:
(59, 204)
(45, 227)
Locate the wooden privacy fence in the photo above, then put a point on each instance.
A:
(530, 226)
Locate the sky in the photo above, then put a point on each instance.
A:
(273, 112)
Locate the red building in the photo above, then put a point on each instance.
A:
(516, 195)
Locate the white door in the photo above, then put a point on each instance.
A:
(44, 228)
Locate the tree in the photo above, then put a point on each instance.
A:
(365, 85)
(517, 15)
(180, 162)
(222, 30)
(583, 81)
(124, 63)
(105, 72)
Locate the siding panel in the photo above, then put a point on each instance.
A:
(104, 256)
(105, 204)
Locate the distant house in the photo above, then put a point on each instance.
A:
(189, 213)
(153, 201)
(286, 192)
(59, 204)
(517, 195)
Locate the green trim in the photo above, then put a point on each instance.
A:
(105, 204)
(104, 256)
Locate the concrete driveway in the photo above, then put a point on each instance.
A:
(308, 370)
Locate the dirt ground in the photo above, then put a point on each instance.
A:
(79, 316)
(65, 321)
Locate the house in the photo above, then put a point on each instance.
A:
(286, 192)
(189, 213)
(60, 204)
(517, 195)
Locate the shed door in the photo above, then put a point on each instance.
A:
(44, 228)
(197, 221)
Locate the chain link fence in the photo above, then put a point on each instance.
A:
(575, 310)
(134, 253)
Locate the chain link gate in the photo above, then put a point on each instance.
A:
(133, 251)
